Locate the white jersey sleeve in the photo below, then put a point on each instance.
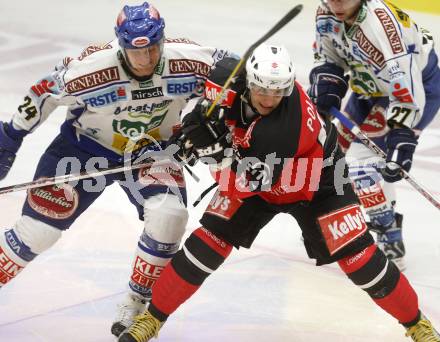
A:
(41, 100)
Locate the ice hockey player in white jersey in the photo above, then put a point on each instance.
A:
(394, 76)
(123, 98)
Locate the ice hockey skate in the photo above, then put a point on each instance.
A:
(423, 331)
(144, 328)
(132, 306)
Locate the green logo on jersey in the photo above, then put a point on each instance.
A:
(146, 84)
(133, 130)
(362, 82)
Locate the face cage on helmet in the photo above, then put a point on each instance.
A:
(259, 90)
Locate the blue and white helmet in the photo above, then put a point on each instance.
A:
(139, 26)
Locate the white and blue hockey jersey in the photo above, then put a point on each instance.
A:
(386, 53)
(110, 113)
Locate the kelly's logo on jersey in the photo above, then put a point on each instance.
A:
(223, 206)
(93, 79)
(342, 226)
(143, 94)
(106, 97)
(212, 90)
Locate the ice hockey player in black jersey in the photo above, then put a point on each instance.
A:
(270, 152)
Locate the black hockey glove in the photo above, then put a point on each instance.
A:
(328, 86)
(209, 137)
(181, 149)
(401, 144)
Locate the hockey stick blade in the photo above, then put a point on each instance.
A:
(239, 67)
(376, 149)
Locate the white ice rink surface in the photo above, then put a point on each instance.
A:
(269, 293)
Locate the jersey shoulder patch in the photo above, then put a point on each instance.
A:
(180, 41)
(90, 73)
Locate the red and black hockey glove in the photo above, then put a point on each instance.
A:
(209, 137)
(181, 149)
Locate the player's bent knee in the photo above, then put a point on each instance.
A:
(165, 221)
(21, 244)
(371, 271)
(37, 235)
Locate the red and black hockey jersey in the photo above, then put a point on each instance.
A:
(279, 156)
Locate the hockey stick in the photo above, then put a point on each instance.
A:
(376, 149)
(239, 67)
(83, 175)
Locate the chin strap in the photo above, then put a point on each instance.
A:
(247, 115)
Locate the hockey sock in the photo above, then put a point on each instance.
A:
(14, 256)
(202, 254)
(165, 218)
(384, 283)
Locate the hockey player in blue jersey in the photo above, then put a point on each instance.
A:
(393, 73)
(122, 99)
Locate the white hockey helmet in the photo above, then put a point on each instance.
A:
(270, 71)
